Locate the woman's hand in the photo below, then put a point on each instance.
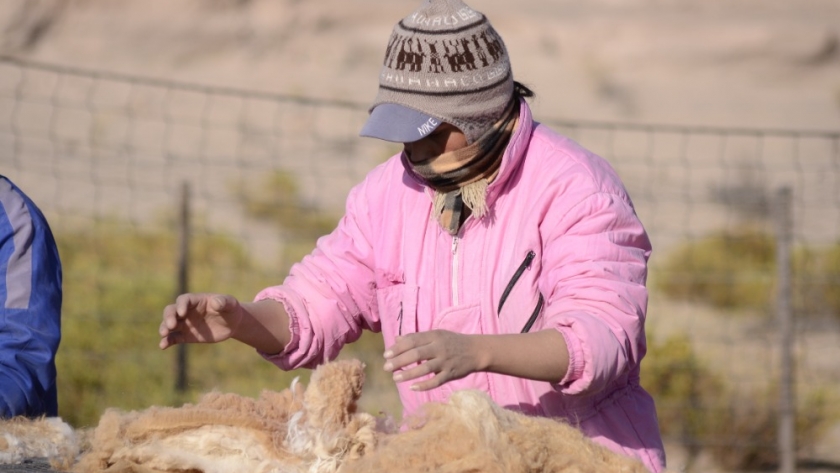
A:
(446, 355)
(199, 318)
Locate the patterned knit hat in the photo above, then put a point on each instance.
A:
(443, 63)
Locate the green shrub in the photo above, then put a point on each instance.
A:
(748, 439)
(117, 281)
(700, 410)
(821, 280)
(737, 270)
(688, 394)
(276, 200)
(728, 270)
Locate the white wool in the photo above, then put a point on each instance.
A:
(211, 449)
(477, 411)
(48, 437)
(12, 449)
(306, 441)
(297, 437)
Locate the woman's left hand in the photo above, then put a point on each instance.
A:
(447, 355)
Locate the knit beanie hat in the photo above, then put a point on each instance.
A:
(444, 63)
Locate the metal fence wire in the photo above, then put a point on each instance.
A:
(744, 311)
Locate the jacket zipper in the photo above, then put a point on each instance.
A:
(525, 264)
(399, 319)
(455, 270)
(534, 316)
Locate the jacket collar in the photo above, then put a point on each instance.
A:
(514, 153)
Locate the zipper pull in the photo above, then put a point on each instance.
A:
(528, 259)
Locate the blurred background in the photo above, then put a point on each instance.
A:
(204, 145)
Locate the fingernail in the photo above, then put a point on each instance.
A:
(398, 377)
(414, 387)
(388, 354)
(388, 367)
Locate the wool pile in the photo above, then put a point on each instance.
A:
(312, 429)
(51, 438)
(296, 430)
(471, 433)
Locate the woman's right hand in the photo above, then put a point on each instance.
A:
(199, 318)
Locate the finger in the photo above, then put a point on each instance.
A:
(173, 338)
(170, 318)
(396, 349)
(418, 371)
(427, 384)
(184, 303)
(407, 358)
(163, 330)
(405, 343)
(180, 306)
(222, 303)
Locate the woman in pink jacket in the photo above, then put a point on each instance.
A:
(492, 253)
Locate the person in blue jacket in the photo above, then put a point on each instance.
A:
(30, 307)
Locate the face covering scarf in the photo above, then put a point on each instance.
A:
(461, 177)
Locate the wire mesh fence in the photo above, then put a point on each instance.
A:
(107, 158)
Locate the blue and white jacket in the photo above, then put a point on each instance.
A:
(30, 307)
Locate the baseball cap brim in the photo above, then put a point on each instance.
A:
(398, 123)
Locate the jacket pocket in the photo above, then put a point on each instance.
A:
(533, 318)
(398, 316)
(526, 263)
(465, 320)
(397, 311)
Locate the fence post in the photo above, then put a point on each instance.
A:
(784, 241)
(181, 376)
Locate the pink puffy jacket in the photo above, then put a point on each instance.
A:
(561, 248)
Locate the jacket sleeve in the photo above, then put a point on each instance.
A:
(329, 295)
(595, 259)
(30, 308)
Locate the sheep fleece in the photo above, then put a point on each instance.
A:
(318, 429)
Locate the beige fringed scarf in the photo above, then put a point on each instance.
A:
(461, 177)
